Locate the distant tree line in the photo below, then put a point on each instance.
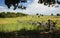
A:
(11, 14)
(56, 14)
(51, 14)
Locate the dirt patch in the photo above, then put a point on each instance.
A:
(3, 22)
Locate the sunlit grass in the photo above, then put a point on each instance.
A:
(11, 24)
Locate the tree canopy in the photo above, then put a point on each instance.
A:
(49, 2)
(15, 3)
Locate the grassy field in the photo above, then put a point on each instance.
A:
(12, 24)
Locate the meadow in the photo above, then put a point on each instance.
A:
(18, 23)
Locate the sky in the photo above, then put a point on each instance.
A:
(32, 8)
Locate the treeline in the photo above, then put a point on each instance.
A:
(51, 14)
(56, 14)
(11, 14)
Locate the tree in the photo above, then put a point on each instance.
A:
(48, 2)
(58, 14)
(52, 14)
(37, 14)
(15, 3)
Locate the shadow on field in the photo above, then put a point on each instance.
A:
(30, 34)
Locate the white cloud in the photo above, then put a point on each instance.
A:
(40, 8)
(1, 8)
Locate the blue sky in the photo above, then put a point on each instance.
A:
(1, 2)
(32, 8)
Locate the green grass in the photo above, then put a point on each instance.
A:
(16, 27)
(11, 24)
